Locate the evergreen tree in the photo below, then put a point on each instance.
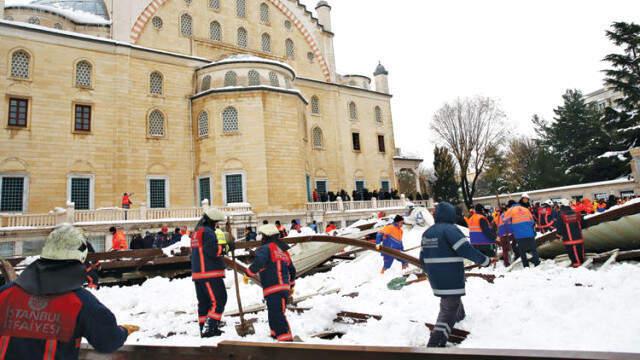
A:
(622, 120)
(444, 187)
(495, 179)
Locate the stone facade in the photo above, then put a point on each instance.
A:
(273, 148)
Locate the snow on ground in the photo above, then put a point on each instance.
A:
(549, 307)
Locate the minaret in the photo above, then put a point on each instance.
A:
(324, 14)
(382, 79)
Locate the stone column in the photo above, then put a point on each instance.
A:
(340, 204)
(143, 211)
(71, 212)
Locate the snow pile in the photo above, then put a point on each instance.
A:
(185, 241)
(305, 231)
(549, 307)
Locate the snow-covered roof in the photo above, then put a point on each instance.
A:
(244, 58)
(91, 12)
(624, 180)
(250, 88)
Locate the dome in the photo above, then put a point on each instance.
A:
(380, 70)
(95, 7)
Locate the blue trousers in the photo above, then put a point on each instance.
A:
(212, 298)
(276, 307)
(388, 260)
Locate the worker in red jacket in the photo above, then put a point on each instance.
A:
(570, 231)
(118, 239)
(277, 276)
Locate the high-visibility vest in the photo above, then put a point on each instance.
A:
(475, 231)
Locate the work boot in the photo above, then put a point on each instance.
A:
(211, 329)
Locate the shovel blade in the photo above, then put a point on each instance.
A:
(245, 329)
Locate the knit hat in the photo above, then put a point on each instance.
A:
(65, 243)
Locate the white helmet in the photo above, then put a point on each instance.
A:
(549, 202)
(564, 202)
(525, 196)
(214, 214)
(65, 243)
(268, 230)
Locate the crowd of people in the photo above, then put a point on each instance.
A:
(150, 240)
(364, 195)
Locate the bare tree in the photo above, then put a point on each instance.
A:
(470, 127)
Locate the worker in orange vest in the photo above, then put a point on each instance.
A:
(118, 240)
(483, 238)
(522, 227)
(391, 236)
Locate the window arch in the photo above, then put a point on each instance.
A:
(290, 47)
(214, 4)
(230, 79)
(317, 138)
(186, 25)
(254, 78)
(203, 124)
(273, 79)
(378, 114)
(241, 8)
(156, 124)
(315, 105)
(84, 71)
(20, 64)
(206, 83)
(34, 20)
(230, 120)
(264, 13)
(215, 31)
(243, 37)
(266, 42)
(156, 83)
(353, 111)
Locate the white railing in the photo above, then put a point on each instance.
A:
(28, 220)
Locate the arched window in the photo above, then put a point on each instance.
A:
(214, 4)
(287, 25)
(254, 78)
(157, 22)
(353, 111)
(230, 79)
(230, 120)
(317, 138)
(206, 83)
(187, 2)
(215, 31)
(57, 26)
(203, 124)
(34, 20)
(291, 50)
(266, 42)
(315, 105)
(83, 74)
(186, 25)
(273, 79)
(20, 64)
(155, 83)
(264, 13)
(241, 8)
(378, 114)
(242, 37)
(310, 56)
(156, 123)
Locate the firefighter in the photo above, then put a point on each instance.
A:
(483, 238)
(570, 231)
(45, 313)
(277, 276)
(546, 217)
(391, 236)
(208, 247)
(522, 228)
(444, 248)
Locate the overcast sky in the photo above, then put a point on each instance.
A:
(523, 53)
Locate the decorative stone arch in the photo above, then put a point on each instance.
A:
(233, 164)
(13, 164)
(321, 174)
(157, 169)
(358, 174)
(151, 9)
(82, 167)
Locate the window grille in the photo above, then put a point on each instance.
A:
(230, 79)
(384, 185)
(57, 26)
(156, 123)
(83, 118)
(291, 51)
(317, 138)
(264, 13)
(186, 25)
(378, 114)
(230, 120)
(273, 79)
(266, 42)
(241, 8)
(234, 188)
(315, 105)
(359, 186)
(206, 83)
(7, 249)
(203, 124)
(34, 20)
(321, 187)
(254, 78)
(353, 111)
(81, 193)
(157, 22)
(205, 189)
(156, 83)
(243, 38)
(214, 4)
(287, 25)
(20, 61)
(215, 31)
(83, 74)
(18, 112)
(157, 193)
(12, 199)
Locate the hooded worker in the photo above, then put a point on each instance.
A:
(391, 236)
(444, 248)
(45, 312)
(208, 247)
(277, 276)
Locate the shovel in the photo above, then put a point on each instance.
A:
(245, 327)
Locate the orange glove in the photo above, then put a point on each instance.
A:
(130, 328)
(245, 279)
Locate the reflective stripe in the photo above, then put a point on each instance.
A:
(460, 242)
(250, 273)
(443, 260)
(445, 325)
(285, 337)
(574, 242)
(449, 292)
(486, 262)
(50, 348)
(4, 346)
(208, 275)
(442, 329)
(274, 289)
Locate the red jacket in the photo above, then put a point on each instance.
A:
(126, 200)
(119, 241)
